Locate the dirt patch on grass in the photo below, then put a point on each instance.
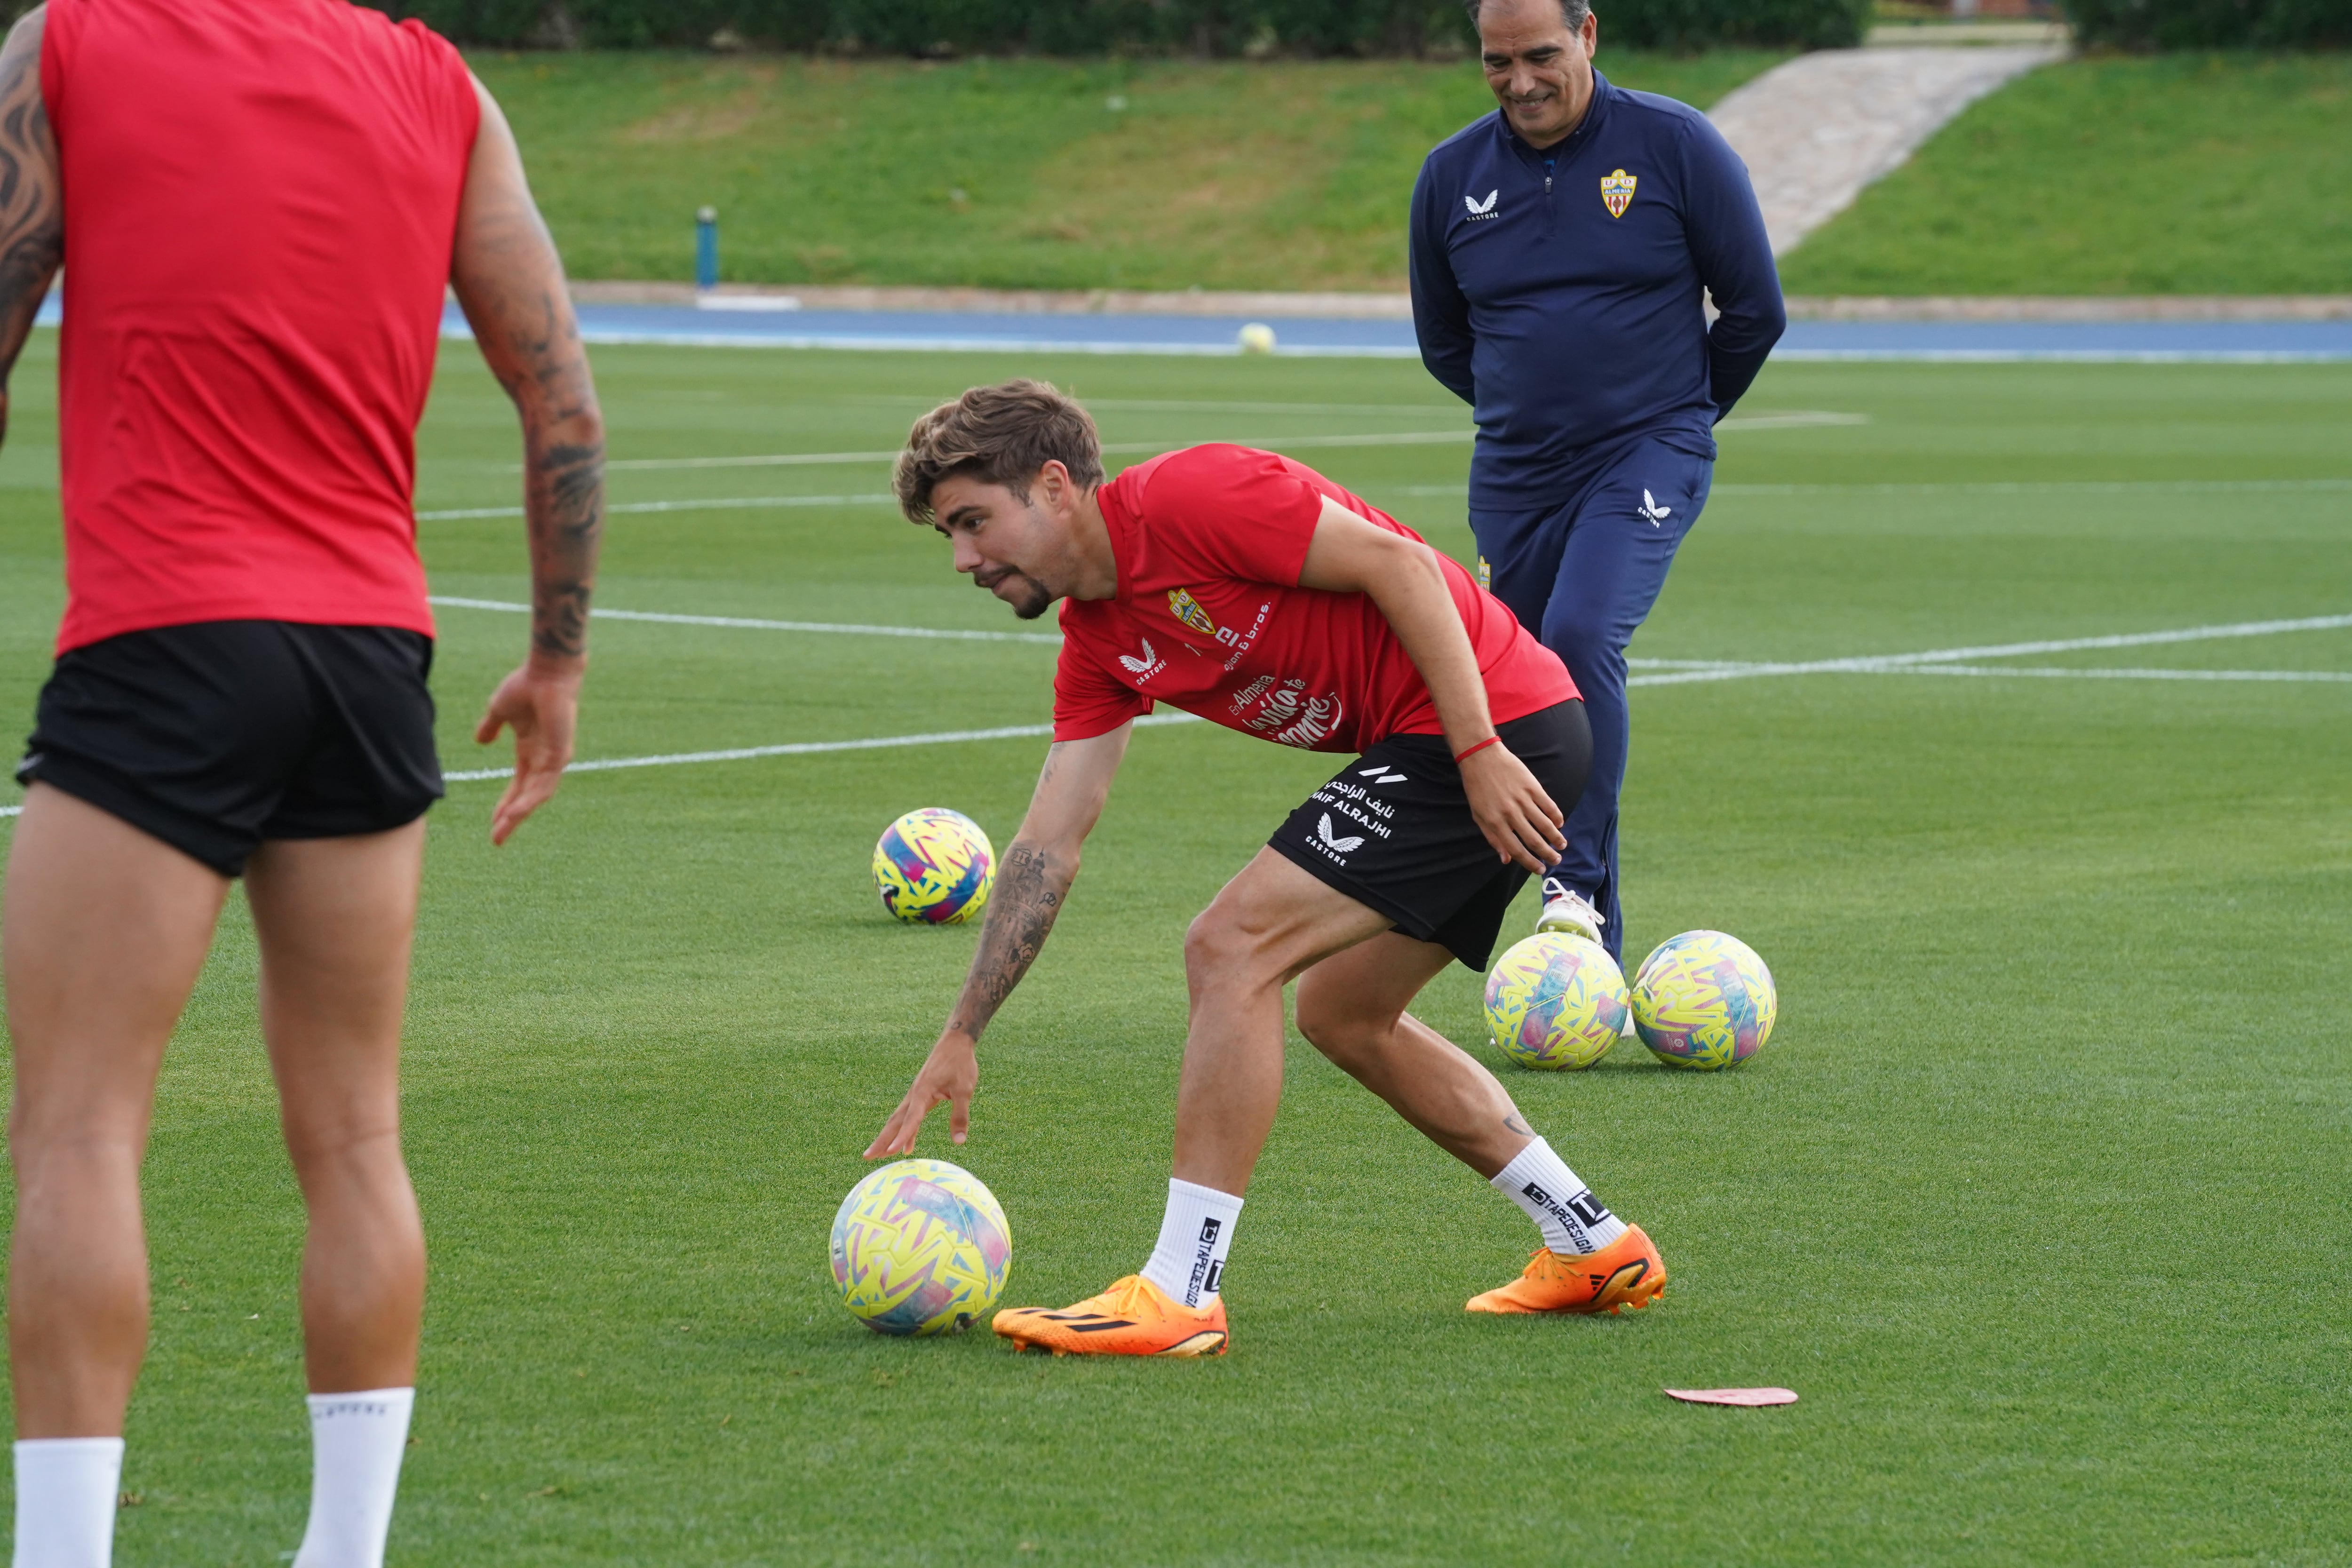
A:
(697, 121)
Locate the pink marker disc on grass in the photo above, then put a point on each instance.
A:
(1745, 1397)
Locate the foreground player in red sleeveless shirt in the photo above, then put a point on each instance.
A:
(260, 203)
(1254, 593)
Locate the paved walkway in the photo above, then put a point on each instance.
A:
(1816, 130)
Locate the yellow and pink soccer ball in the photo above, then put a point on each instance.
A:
(1556, 1002)
(934, 867)
(1704, 1000)
(921, 1247)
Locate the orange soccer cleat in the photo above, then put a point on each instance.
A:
(1134, 1317)
(1628, 1272)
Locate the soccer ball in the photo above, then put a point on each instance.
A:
(1704, 1000)
(1556, 1002)
(1257, 338)
(920, 1248)
(934, 867)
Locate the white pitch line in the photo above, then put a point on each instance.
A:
(764, 460)
(1678, 670)
(730, 504)
(1110, 450)
(859, 344)
(1987, 487)
(2052, 487)
(751, 623)
(807, 748)
(2060, 356)
(1795, 419)
(1025, 732)
(1174, 405)
(2098, 673)
(1878, 663)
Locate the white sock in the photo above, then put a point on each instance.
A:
(1195, 1234)
(1563, 1207)
(356, 1443)
(66, 1491)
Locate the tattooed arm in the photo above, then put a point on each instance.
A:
(510, 282)
(1030, 883)
(32, 201)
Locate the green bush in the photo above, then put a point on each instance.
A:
(1094, 27)
(932, 26)
(2213, 24)
(1687, 26)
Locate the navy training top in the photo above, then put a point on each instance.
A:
(1565, 305)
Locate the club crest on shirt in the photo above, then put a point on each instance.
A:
(1617, 192)
(1187, 609)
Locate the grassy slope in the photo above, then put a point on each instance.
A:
(2036, 1196)
(1277, 175)
(2184, 174)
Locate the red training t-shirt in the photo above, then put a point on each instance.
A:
(260, 205)
(1210, 618)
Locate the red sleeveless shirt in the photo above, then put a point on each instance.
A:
(260, 203)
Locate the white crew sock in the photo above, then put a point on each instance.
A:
(1563, 1207)
(1195, 1234)
(66, 1491)
(356, 1443)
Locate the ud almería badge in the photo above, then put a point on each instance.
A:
(1617, 192)
(1187, 609)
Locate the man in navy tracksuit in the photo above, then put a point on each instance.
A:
(1560, 252)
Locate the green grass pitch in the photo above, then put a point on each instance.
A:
(2036, 1196)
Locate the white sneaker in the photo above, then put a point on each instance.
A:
(1567, 913)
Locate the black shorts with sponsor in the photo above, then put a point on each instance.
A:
(1393, 830)
(217, 735)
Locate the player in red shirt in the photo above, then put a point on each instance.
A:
(1251, 591)
(261, 203)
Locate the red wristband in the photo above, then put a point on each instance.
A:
(1489, 741)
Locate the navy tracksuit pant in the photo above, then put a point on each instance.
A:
(1583, 576)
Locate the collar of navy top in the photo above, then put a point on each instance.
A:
(1561, 151)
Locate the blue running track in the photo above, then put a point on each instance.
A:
(947, 331)
(2097, 342)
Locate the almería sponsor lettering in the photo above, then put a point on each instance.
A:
(1241, 642)
(1289, 714)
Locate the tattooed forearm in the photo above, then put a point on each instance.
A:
(1021, 907)
(32, 200)
(566, 506)
(510, 282)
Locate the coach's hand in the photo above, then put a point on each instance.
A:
(541, 702)
(1512, 809)
(948, 1078)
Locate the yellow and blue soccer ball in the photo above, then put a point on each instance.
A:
(920, 1248)
(1556, 1002)
(1704, 1000)
(934, 867)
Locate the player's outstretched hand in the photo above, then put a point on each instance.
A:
(541, 703)
(949, 1077)
(1512, 809)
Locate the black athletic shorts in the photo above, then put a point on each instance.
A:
(215, 736)
(1394, 830)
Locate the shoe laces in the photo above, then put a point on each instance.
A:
(1129, 1296)
(1576, 901)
